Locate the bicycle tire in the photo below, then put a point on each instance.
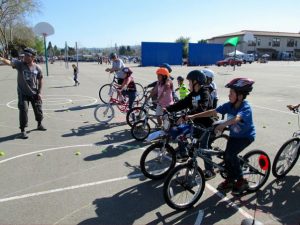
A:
(159, 166)
(104, 93)
(256, 162)
(104, 113)
(286, 154)
(181, 181)
(219, 144)
(140, 91)
(136, 128)
(134, 115)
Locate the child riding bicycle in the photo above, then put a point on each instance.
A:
(242, 131)
(198, 100)
(128, 86)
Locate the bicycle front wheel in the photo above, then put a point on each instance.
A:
(183, 187)
(104, 113)
(106, 92)
(139, 92)
(140, 130)
(157, 161)
(134, 115)
(256, 169)
(286, 158)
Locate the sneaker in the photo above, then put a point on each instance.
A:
(226, 185)
(41, 127)
(23, 135)
(209, 174)
(240, 186)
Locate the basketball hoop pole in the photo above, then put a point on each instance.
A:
(46, 58)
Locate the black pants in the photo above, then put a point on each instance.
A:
(23, 105)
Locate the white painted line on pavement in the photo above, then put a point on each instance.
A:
(63, 147)
(68, 188)
(275, 110)
(46, 150)
(230, 203)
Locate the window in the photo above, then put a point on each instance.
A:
(276, 42)
(252, 43)
(295, 43)
(258, 42)
(270, 43)
(290, 43)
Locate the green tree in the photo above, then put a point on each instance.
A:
(13, 12)
(202, 41)
(122, 50)
(39, 45)
(56, 51)
(185, 45)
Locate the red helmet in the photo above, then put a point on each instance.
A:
(243, 85)
(163, 71)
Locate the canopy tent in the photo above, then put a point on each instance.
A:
(237, 52)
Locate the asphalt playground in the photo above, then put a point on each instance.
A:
(83, 172)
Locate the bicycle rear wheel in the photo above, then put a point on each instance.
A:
(256, 169)
(106, 92)
(140, 130)
(139, 92)
(183, 187)
(104, 113)
(286, 158)
(134, 115)
(157, 161)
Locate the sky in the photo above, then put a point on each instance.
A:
(104, 23)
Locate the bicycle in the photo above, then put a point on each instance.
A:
(160, 157)
(288, 154)
(139, 113)
(185, 183)
(107, 91)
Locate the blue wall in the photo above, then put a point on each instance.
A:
(205, 54)
(156, 53)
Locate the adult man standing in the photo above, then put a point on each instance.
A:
(117, 67)
(30, 82)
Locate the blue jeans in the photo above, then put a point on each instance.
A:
(131, 97)
(232, 162)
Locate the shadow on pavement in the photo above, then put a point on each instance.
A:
(89, 129)
(76, 108)
(280, 199)
(128, 205)
(113, 151)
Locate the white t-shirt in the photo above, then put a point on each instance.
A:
(119, 65)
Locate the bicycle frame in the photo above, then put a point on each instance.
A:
(205, 152)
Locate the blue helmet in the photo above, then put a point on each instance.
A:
(167, 66)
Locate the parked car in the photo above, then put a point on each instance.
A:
(247, 58)
(229, 61)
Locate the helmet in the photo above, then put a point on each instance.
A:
(198, 76)
(209, 73)
(167, 66)
(162, 71)
(30, 51)
(180, 78)
(242, 85)
(127, 70)
(112, 55)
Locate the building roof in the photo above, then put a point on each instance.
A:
(260, 33)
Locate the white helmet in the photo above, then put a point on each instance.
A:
(209, 73)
